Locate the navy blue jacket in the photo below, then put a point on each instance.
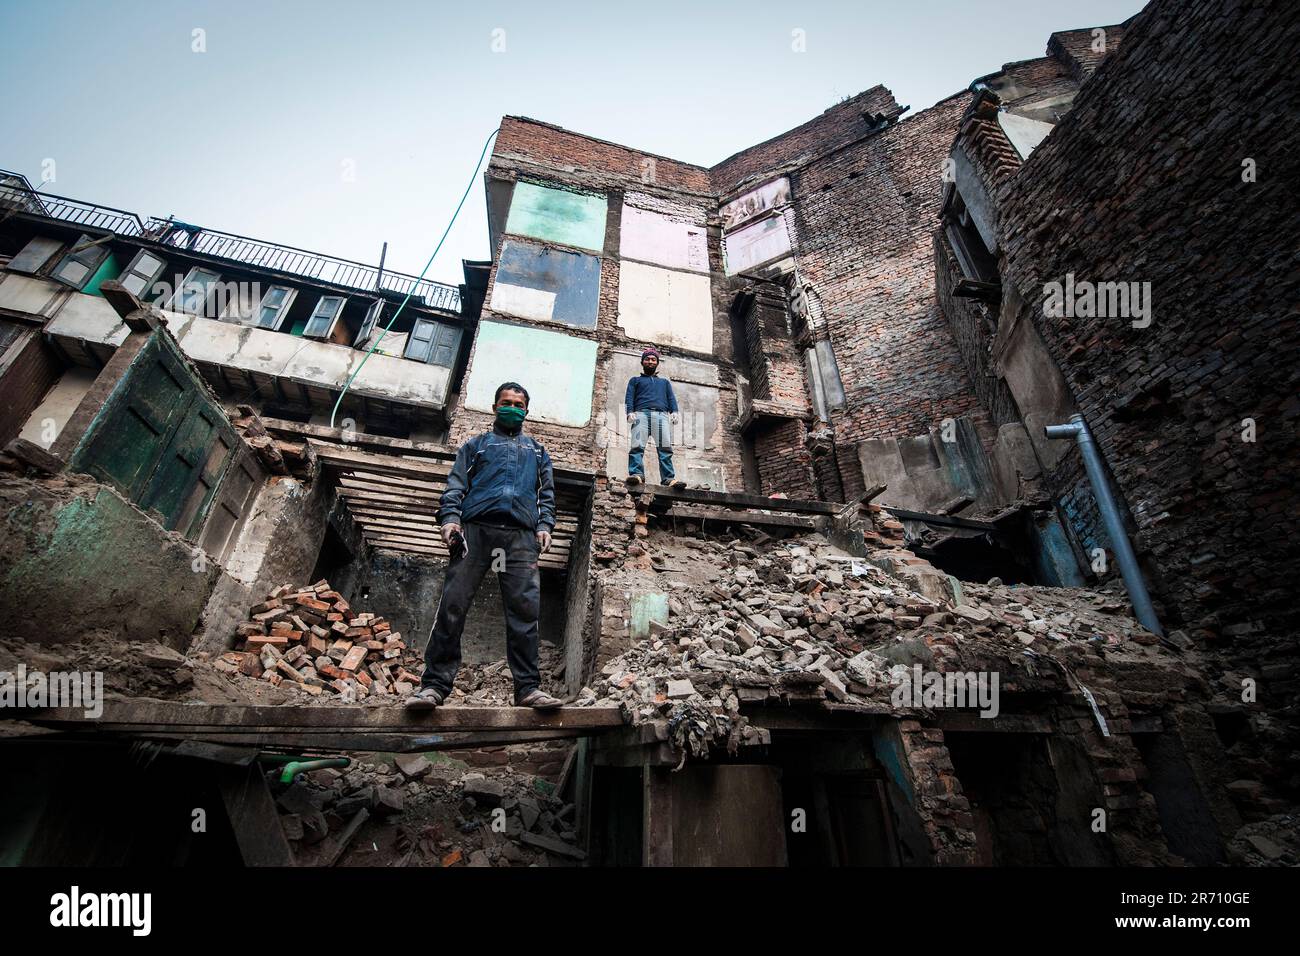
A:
(501, 478)
(650, 393)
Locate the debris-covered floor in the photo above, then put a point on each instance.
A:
(781, 623)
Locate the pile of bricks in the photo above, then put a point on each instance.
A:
(310, 638)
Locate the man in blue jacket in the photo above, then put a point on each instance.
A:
(497, 511)
(651, 411)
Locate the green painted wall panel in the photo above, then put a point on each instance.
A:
(558, 370)
(557, 215)
(647, 608)
(110, 268)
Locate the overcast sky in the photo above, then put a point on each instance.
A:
(335, 126)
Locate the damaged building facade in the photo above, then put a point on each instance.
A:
(870, 322)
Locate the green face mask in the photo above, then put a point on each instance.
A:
(511, 417)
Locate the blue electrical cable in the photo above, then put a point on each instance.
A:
(348, 384)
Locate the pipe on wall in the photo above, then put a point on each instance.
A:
(1110, 515)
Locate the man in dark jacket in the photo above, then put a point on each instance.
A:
(651, 411)
(497, 512)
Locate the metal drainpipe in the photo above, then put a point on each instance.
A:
(1128, 565)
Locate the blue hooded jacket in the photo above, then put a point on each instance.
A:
(501, 478)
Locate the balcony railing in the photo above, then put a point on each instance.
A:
(310, 265)
(225, 245)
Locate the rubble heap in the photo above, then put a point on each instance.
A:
(804, 622)
(311, 639)
(409, 810)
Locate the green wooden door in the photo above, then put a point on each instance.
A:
(126, 439)
(160, 439)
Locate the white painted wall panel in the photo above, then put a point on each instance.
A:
(756, 244)
(654, 237)
(665, 307)
(523, 302)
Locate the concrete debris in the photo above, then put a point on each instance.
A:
(832, 628)
(426, 810)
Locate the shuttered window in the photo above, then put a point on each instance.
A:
(142, 272)
(274, 305)
(323, 317)
(433, 342)
(80, 263)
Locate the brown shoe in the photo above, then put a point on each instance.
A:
(540, 700)
(633, 481)
(678, 484)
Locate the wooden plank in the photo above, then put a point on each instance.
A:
(552, 560)
(947, 521)
(726, 500)
(253, 816)
(425, 507)
(378, 478)
(417, 494)
(432, 539)
(740, 517)
(309, 719)
(338, 458)
(657, 816)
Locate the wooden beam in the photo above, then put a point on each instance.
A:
(725, 500)
(415, 494)
(228, 718)
(740, 517)
(253, 816)
(947, 521)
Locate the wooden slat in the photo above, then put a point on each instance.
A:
(399, 482)
(416, 494)
(359, 495)
(551, 560)
(740, 517)
(227, 718)
(725, 500)
(337, 458)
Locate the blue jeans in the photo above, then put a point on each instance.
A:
(646, 425)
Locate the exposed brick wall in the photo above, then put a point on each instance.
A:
(784, 464)
(866, 216)
(1142, 182)
(1074, 48)
(971, 322)
(556, 148)
(838, 125)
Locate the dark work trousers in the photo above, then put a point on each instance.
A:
(512, 553)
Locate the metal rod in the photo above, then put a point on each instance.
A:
(1128, 565)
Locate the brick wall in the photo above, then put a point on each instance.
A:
(866, 215)
(1142, 182)
(838, 125)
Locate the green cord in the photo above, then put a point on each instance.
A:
(348, 384)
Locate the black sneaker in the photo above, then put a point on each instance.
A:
(633, 481)
(677, 483)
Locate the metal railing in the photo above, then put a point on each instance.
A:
(310, 265)
(17, 195)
